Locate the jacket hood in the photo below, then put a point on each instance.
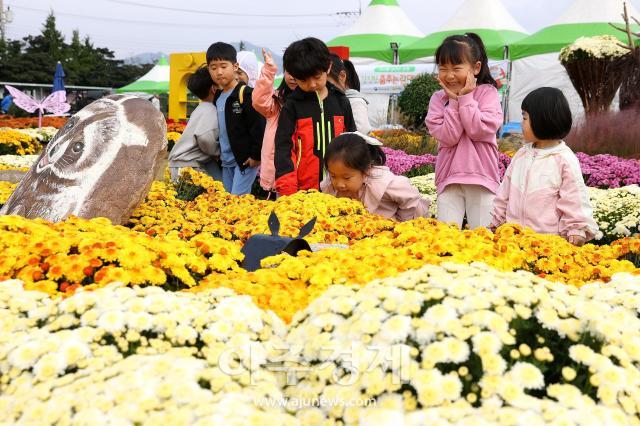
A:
(530, 150)
(353, 93)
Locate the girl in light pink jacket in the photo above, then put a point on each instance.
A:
(464, 117)
(268, 102)
(355, 166)
(543, 186)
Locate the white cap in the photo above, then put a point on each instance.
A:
(248, 62)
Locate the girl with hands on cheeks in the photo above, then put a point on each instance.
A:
(464, 117)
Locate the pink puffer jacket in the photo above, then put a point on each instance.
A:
(266, 104)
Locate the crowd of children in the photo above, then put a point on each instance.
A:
(312, 132)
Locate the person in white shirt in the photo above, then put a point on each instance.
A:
(198, 147)
(343, 75)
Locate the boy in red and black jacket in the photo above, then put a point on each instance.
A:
(314, 114)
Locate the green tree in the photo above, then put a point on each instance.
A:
(414, 100)
(33, 60)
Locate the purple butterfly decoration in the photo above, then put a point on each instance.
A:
(54, 103)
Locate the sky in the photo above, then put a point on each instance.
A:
(130, 27)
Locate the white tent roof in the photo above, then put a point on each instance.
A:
(383, 17)
(582, 11)
(156, 80)
(160, 72)
(486, 14)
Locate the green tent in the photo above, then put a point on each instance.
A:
(487, 18)
(155, 81)
(381, 23)
(554, 38)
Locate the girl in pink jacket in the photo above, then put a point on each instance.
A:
(269, 103)
(464, 117)
(355, 165)
(543, 186)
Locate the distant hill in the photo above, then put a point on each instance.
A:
(144, 58)
(277, 56)
(152, 57)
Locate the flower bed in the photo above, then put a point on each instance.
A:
(402, 163)
(18, 142)
(450, 342)
(608, 171)
(196, 245)
(616, 211)
(473, 340)
(32, 122)
(16, 162)
(136, 355)
(172, 138)
(176, 126)
(6, 188)
(409, 142)
(464, 337)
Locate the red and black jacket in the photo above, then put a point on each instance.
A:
(305, 128)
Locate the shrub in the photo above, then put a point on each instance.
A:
(414, 100)
(615, 133)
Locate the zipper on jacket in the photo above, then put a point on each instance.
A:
(299, 152)
(322, 137)
(329, 134)
(526, 190)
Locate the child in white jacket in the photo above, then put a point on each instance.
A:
(343, 76)
(543, 186)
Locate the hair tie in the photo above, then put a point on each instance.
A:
(368, 139)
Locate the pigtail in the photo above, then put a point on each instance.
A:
(484, 76)
(353, 81)
(337, 66)
(378, 158)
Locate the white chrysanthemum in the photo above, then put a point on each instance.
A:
(310, 416)
(434, 353)
(613, 376)
(380, 416)
(26, 355)
(49, 366)
(343, 305)
(509, 390)
(439, 315)
(20, 161)
(220, 330)
(326, 319)
(140, 321)
(74, 351)
(112, 321)
(395, 329)
(486, 343)
(451, 387)
(598, 47)
(526, 375)
(185, 333)
(424, 332)
(457, 349)
(493, 364)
